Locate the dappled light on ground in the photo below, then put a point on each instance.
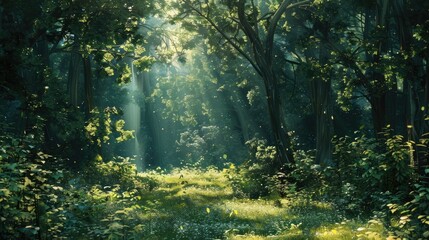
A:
(191, 204)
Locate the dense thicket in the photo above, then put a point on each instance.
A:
(325, 97)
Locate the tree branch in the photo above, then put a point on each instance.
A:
(227, 38)
(250, 32)
(274, 21)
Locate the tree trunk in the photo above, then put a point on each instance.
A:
(89, 105)
(415, 115)
(375, 81)
(282, 140)
(73, 77)
(378, 110)
(263, 63)
(322, 103)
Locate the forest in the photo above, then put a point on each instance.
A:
(214, 119)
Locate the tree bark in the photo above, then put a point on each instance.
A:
(375, 82)
(415, 115)
(73, 78)
(89, 104)
(322, 102)
(262, 55)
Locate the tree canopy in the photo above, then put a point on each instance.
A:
(103, 100)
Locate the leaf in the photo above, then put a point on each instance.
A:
(233, 212)
(108, 57)
(208, 210)
(27, 182)
(109, 71)
(5, 192)
(116, 226)
(98, 158)
(11, 166)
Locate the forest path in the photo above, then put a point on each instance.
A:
(191, 204)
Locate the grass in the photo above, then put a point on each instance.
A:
(191, 204)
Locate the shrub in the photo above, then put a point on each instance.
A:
(410, 220)
(254, 178)
(29, 190)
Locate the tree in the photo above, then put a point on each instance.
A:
(92, 37)
(249, 28)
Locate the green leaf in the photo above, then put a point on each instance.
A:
(5, 192)
(233, 212)
(116, 226)
(108, 57)
(11, 166)
(27, 182)
(109, 71)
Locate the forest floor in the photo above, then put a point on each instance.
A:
(201, 205)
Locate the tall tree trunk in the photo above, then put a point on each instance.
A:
(263, 64)
(415, 115)
(73, 77)
(378, 110)
(377, 86)
(281, 137)
(88, 84)
(322, 103)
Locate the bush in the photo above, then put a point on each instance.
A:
(369, 176)
(411, 220)
(105, 201)
(367, 171)
(39, 200)
(254, 178)
(366, 174)
(29, 190)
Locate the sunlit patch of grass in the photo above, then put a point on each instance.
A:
(335, 232)
(372, 230)
(194, 204)
(246, 237)
(292, 235)
(254, 210)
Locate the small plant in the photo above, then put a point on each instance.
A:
(411, 220)
(254, 178)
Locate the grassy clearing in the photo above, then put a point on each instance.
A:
(191, 204)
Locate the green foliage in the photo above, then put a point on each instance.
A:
(101, 126)
(367, 170)
(39, 200)
(304, 175)
(254, 178)
(196, 204)
(104, 202)
(30, 190)
(411, 219)
(370, 176)
(144, 63)
(119, 171)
